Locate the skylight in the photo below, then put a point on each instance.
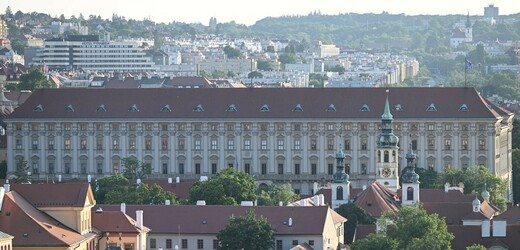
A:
(431, 108)
(331, 108)
(38, 108)
(365, 108)
(198, 108)
(398, 107)
(166, 108)
(134, 108)
(298, 108)
(463, 108)
(231, 108)
(69, 108)
(264, 108)
(101, 108)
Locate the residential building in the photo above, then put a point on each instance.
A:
(491, 11)
(277, 135)
(235, 66)
(3, 29)
(88, 52)
(196, 226)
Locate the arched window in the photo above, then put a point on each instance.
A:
(409, 194)
(387, 157)
(339, 193)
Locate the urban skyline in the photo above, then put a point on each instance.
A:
(249, 13)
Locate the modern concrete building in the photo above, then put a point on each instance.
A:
(277, 135)
(88, 52)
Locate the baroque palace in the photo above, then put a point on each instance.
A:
(276, 135)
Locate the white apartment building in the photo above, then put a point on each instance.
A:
(88, 52)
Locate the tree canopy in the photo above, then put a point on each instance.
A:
(354, 216)
(476, 179)
(134, 169)
(22, 171)
(410, 228)
(117, 189)
(247, 232)
(273, 194)
(34, 79)
(228, 187)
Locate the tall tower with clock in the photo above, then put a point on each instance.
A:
(387, 162)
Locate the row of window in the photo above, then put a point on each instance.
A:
(215, 245)
(230, 145)
(227, 126)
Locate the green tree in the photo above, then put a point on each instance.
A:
(286, 58)
(255, 74)
(22, 171)
(232, 53)
(247, 232)
(134, 169)
(516, 175)
(429, 178)
(516, 133)
(413, 229)
(103, 186)
(34, 79)
(274, 194)
(228, 187)
(354, 216)
(264, 65)
(475, 179)
(476, 247)
(18, 46)
(375, 242)
(3, 169)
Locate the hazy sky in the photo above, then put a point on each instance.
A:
(246, 11)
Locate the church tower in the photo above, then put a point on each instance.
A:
(410, 183)
(387, 162)
(340, 184)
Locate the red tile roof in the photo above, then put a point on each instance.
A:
(113, 221)
(211, 219)
(377, 199)
(281, 102)
(31, 227)
(468, 235)
(511, 215)
(72, 194)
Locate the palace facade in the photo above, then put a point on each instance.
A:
(277, 135)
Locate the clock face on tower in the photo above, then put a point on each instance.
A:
(386, 172)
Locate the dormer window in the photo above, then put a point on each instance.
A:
(134, 108)
(38, 108)
(101, 108)
(264, 108)
(166, 108)
(365, 108)
(198, 108)
(398, 107)
(463, 108)
(298, 108)
(231, 108)
(69, 108)
(331, 108)
(431, 108)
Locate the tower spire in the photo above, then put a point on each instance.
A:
(387, 115)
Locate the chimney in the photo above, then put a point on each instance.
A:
(59, 178)
(316, 200)
(139, 218)
(2, 194)
(314, 188)
(167, 202)
(303, 202)
(123, 208)
(7, 187)
(256, 203)
(446, 187)
(290, 222)
(170, 180)
(322, 200)
(246, 203)
(138, 181)
(201, 203)
(89, 178)
(280, 203)
(177, 179)
(364, 187)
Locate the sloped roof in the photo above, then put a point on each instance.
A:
(113, 221)
(4, 236)
(248, 101)
(31, 227)
(211, 219)
(511, 215)
(468, 235)
(71, 194)
(377, 199)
